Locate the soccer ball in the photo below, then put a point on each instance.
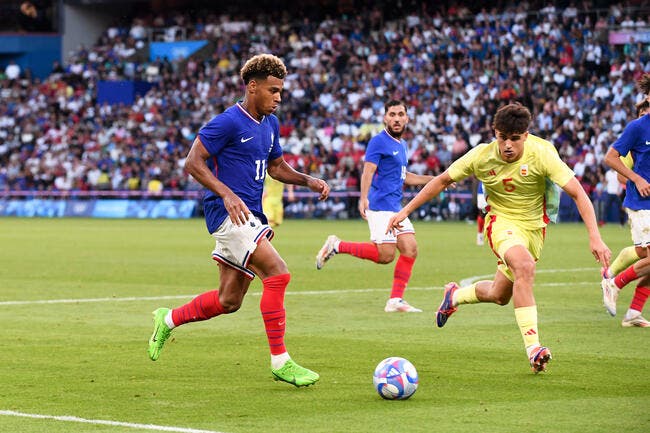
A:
(395, 379)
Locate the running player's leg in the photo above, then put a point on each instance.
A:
(377, 223)
(522, 265)
(497, 291)
(233, 245)
(271, 268)
(633, 317)
(408, 248)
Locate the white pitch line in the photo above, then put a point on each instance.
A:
(463, 282)
(469, 280)
(106, 422)
(158, 298)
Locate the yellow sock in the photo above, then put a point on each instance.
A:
(465, 295)
(625, 258)
(527, 320)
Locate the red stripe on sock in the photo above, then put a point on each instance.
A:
(273, 313)
(363, 250)
(401, 275)
(640, 297)
(203, 307)
(625, 277)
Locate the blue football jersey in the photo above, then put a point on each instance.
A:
(240, 148)
(636, 139)
(389, 154)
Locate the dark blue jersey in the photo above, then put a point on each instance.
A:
(636, 139)
(240, 148)
(389, 154)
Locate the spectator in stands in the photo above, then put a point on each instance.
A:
(461, 63)
(12, 70)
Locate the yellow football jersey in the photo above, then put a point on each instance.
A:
(273, 188)
(627, 160)
(515, 190)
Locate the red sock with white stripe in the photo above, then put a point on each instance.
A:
(363, 250)
(203, 307)
(401, 275)
(273, 314)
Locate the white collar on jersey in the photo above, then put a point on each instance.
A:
(243, 110)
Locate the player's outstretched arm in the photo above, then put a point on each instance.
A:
(280, 170)
(598, 248)
(413, 179)
(431, 190)
(196, 166)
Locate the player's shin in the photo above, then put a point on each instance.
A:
(274, 316)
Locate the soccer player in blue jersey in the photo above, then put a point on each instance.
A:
(384, 175)
(634, 141)
(230, 157)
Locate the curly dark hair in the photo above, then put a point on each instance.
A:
(643, 84)
(642, 107)
(512, 119)
(262, 66)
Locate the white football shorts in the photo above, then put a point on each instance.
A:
(640, 226)
(235, 244)
(378, 223)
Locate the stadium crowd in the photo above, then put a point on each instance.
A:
(453, 66)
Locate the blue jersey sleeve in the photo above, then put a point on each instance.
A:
(216, 133)
(374, 151)
(627, 140)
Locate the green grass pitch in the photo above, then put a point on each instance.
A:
(76, 297)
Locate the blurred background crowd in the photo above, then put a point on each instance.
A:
(454, 65)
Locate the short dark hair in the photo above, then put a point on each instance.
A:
(512, 119)
(641, 107)
(394, 103)
(262, 66)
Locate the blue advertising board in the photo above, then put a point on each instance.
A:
(98, 208)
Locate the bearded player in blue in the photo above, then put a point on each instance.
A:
(231, 157)
(382, 182)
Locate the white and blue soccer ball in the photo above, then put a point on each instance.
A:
(395, 379)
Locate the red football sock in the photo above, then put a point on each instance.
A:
(402, 275)
(625, 277)
(363, 250)
(273, 314)
(203, 307)
(640, 296)
(480, 223)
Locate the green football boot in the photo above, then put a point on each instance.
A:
(296, 375)
(160, 333)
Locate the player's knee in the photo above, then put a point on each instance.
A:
(230, 304)
(280, 268)
(410, 252)
(385, 258)
(525, 269)
(502, 299)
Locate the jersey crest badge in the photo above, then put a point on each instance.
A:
(523, 170)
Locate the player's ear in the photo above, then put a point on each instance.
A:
(251, 87)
